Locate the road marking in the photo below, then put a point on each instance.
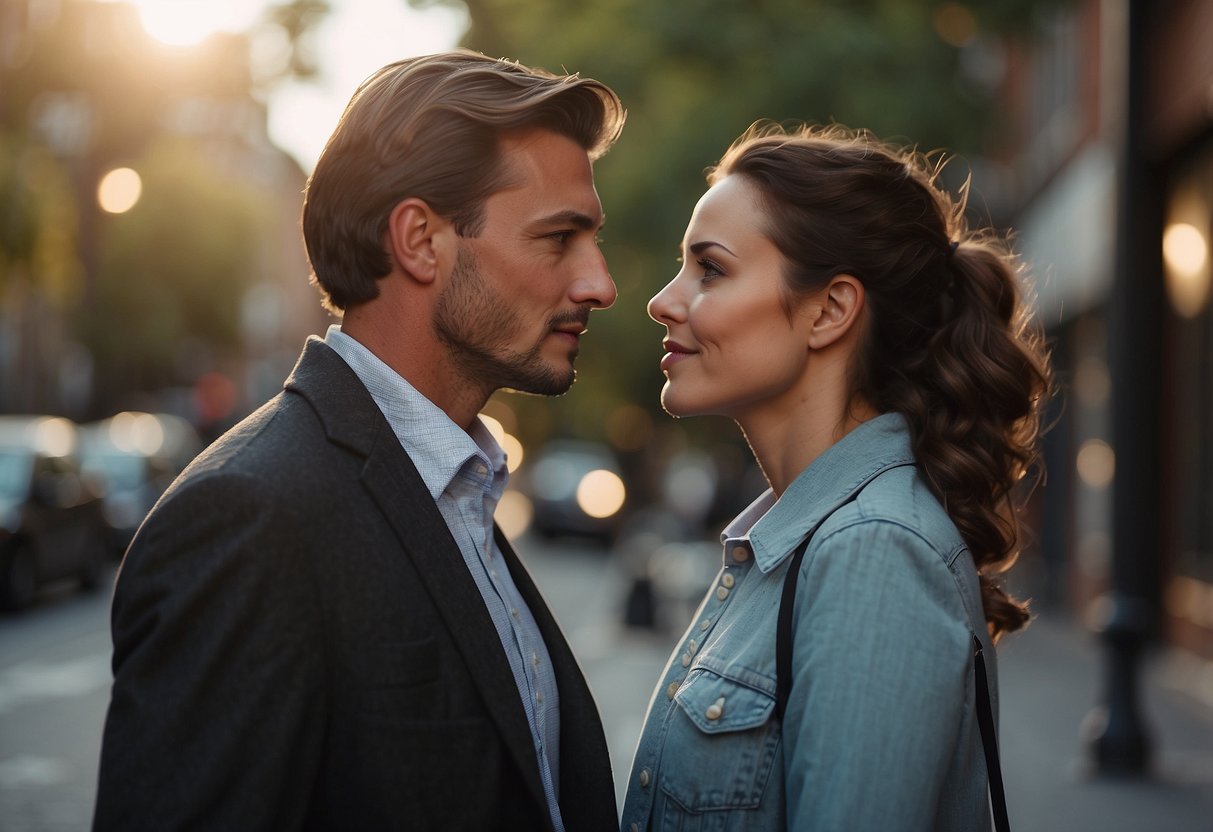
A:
(37, 681)
(29, 770)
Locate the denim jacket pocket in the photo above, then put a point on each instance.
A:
(722, 744)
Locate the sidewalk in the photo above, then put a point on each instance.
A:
(1050, 676)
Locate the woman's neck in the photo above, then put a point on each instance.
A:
(786, 442)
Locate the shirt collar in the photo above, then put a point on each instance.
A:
(830, 480)
(438, 447)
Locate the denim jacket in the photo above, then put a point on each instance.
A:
(880, 731)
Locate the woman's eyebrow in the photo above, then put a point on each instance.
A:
(698, 248)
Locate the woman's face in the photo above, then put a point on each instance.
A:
(731, 347)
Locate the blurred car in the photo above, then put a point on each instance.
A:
(136, 456)
(51, 523)
(575, 488)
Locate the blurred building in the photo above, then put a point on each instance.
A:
(84, 89)
(1058, 174)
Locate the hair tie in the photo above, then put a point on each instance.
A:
(952, 246)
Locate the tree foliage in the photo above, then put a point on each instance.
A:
(172, 271)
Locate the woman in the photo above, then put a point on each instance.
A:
(876, 356)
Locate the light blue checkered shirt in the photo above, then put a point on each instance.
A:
(466, 475)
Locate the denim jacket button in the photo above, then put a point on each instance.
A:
(634, 828)
(672, 690)
(686, 659)
(703, 625)
(644, 778)
(722, 593)
(715, 710)
(728, 580)
(740, 554)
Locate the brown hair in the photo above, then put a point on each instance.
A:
(429, 127)
(948, 341)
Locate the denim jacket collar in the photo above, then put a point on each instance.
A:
(830, 480)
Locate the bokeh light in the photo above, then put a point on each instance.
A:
(119, 190)
(1186, 254)
(1096, 463)
(514, 513)
(601, 493)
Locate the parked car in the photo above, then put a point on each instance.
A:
(51, 523)
(136, 456)
(576, 488)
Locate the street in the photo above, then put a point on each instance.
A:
(54, 678)
(54, 688)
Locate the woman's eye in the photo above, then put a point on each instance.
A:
(710, 269)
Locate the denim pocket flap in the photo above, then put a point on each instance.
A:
(717, 704)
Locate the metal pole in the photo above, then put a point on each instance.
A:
(1119, 740)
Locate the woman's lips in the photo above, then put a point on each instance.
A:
(674, 353)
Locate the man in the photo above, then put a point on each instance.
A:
(319, 626)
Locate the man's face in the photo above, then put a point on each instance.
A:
(520, 295)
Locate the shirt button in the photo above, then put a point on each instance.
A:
(535, 660)
(703, 625)
(728, 580)
(722, 593)
(672, 690)
(481, 470)
(644, 778)
(740, 554)
(514, 612)
(539, 697)
(686, 660)
(692, 646)
(715, 710)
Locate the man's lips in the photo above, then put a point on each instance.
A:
(675, 352)
(570, 333)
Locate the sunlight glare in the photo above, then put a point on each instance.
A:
(189, 22)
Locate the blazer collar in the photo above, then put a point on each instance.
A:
(336, 395)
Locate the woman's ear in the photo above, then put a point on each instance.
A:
(415, 238)
(839, 307)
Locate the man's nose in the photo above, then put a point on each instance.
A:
(594, 284)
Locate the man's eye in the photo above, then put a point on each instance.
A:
(561, 237)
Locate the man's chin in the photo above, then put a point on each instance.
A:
(551, 384)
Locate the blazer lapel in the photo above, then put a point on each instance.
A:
(587, 791)
(352, 419)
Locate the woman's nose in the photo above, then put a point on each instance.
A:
(664, 307)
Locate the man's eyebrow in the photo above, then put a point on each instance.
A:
(700, 247)
(574, 218)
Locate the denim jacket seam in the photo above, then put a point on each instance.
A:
(746, 677)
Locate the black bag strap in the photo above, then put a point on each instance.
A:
(989, 739)
(985, 717)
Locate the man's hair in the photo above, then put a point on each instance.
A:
(430, 128)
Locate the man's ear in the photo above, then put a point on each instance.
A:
(839, 307)
(415, 238)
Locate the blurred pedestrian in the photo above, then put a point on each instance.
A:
(877, 356)
(319, 626)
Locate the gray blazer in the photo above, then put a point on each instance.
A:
(299, 645)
